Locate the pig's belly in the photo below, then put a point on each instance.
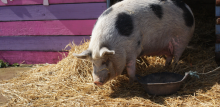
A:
(168, 51)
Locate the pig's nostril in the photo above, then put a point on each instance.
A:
(98, 83)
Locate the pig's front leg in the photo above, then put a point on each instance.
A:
(131, 71)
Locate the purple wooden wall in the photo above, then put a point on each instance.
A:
(31, 33)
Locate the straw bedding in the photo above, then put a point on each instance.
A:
(69, 83)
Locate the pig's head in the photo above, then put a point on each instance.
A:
(107, 64)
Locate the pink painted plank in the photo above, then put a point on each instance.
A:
(52, 12)
(28, 2)
(32, 57)
(39, 43)
(55, 27)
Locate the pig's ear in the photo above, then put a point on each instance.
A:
(106, 51)
(84, 55)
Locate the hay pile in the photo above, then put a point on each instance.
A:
(69, 83)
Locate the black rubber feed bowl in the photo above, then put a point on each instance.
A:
(163, 83)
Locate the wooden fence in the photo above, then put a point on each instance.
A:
(32, 33)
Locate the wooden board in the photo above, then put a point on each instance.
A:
(28, 2)
(56, 27)
(32, 57)
(52, 12)
(39, 43)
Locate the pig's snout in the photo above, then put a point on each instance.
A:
(98, 83)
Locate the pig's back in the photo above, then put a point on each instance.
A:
(157, 21)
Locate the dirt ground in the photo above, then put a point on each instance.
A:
(11, 72)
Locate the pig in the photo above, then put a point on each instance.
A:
(134, 28)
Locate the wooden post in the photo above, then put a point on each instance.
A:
(217, 28)
(108, 3)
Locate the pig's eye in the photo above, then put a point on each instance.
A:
(105, 62)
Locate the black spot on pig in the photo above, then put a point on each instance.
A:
(124, 24)
(106, 12)
(157, 9)
(187, 16)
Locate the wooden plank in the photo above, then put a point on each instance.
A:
(32, 57)
(52, 12)
(39, 43)
(55, 27)
(29, 2)
(217, 11)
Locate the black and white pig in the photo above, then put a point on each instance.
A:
(132, 28)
